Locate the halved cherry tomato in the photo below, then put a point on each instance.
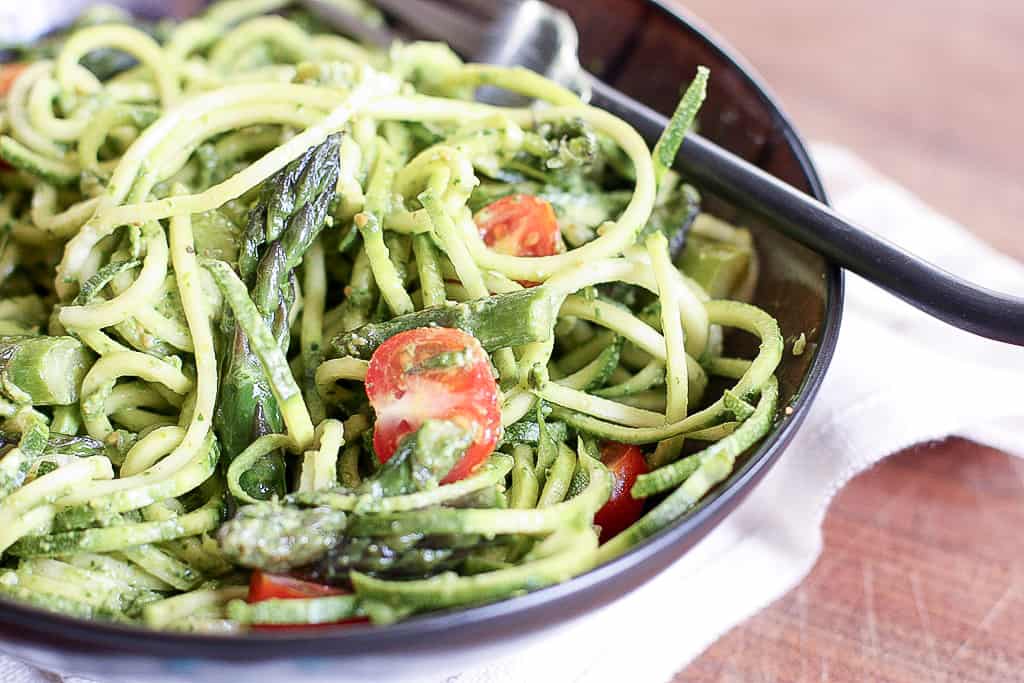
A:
(519, 225)
(625, 463)
(8, 74)
(434, 373)
(264, 586)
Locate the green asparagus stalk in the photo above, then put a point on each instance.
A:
(279, 538)
(42, 370)
(408, 556)
(288, 217)
(498, 322)
(558, 558)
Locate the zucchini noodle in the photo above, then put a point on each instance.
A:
(675, 365)
(212, 230)
(150, 449)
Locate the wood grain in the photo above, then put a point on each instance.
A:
(922, 578)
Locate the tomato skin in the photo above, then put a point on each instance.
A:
(519, 225)
(264, 586)
(625, 463)
(405, 390)
(8, 74)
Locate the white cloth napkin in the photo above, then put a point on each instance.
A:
(898, 379)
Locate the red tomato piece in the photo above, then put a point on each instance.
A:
(625, 463)
(519, 225)
(434, 373)
(8, 74)
(264, 586)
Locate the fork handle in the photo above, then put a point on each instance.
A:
(923, 285)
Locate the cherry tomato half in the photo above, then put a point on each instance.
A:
(625, 463)
(8, 74)
(519, 225)
(434, 373)
(264, 586)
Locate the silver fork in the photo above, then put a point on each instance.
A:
(509, 32)
(463, 24)
(535, 35)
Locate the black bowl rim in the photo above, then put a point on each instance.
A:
(553, 604)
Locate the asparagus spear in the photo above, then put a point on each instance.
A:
(278, 538)
(562, 555)
(287, 218)
(500, 321)
(409, 556)
(42, 370)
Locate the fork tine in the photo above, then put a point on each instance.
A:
(346, 22)
(432, 20)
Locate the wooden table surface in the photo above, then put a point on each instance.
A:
(922, 578)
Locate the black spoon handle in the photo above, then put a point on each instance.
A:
(929, 288)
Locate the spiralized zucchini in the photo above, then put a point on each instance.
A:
(208, 230)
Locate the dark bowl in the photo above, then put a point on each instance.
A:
(648, 49)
